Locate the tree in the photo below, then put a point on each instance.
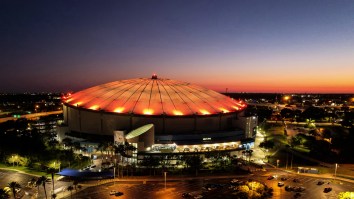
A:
(75, 183)
(44, 180)
(345, 195)
(313, 113)
(150, 162)
(267, 144)
(68, 143)
(4, 194)
(38, 183)
(33, 182)
(295, 141)
(70, 188)
(287, 113)
(13, 186)
(194, 162)
(124, 149)
(51, 171)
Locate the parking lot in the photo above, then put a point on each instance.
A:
(26, 191)
(175, 189)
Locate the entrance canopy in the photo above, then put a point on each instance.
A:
(85, 174)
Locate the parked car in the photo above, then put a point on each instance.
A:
(280, 184)
(327, 189)
(296, 180)
(118, 193)
(283, 179)
(299, 189)
(270, 178)
(112, 192)
(289, 188)
(320, 182)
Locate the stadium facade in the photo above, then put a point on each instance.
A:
(158, 114)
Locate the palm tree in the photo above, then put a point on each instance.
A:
(75, 183)
(68, 143)
(13, 186)
(54, 195)
(51, 171)
(44, 180)
(4, 194)
(33, 182)
(70, 188)
(38, 183)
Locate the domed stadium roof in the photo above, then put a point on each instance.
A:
(153, 96)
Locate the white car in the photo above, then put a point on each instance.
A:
(280, 184)
(112, 192)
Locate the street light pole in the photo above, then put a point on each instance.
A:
(335, 171)
(165, 173)
(13, 161)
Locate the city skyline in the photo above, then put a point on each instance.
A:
(241, 46)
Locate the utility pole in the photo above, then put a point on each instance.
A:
(165, 178)
(286, 166)
(291, 164)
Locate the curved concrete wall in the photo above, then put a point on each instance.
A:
(99, 122)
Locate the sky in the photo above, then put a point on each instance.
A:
(277, 46)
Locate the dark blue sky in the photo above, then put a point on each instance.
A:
(248, 46)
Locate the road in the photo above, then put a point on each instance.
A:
(29, 116)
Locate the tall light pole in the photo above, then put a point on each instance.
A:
(335, 171)
(13, 161)
(165, 173)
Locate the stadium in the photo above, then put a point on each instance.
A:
(158, 114)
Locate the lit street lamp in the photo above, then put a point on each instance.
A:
(277, 163)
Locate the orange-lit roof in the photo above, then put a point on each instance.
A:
(154, 96)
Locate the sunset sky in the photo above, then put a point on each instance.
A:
(246, 46)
